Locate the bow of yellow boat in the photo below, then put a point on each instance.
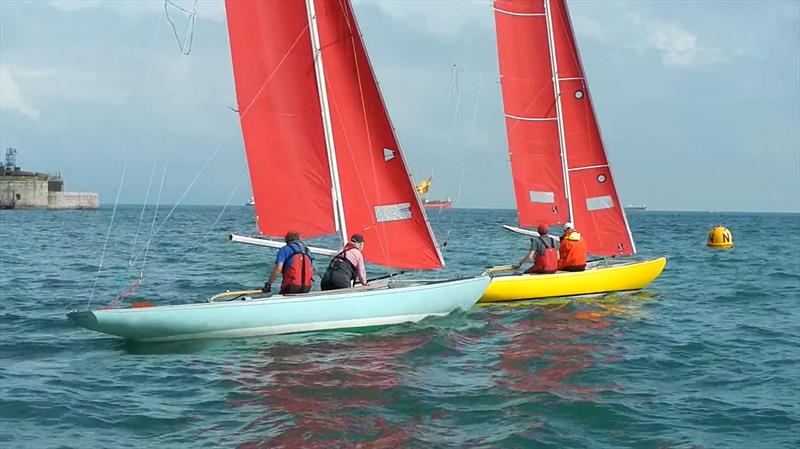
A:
(601, 279)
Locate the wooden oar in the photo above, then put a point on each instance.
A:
(491, 270)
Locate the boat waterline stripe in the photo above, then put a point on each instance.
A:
(588, 167)
(520, 14)
(532, 119)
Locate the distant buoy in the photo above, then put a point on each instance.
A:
(720, 237)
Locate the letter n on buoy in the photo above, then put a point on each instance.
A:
(720, 237)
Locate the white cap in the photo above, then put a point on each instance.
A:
(568, 225)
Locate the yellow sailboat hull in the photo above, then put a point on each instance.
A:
(596, 279)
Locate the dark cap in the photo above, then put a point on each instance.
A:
(291, 236)
(357, 238)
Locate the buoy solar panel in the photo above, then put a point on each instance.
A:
(720, 237)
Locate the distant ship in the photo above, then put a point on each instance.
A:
(635, 207)
(422, 189)
(251, 202)
(438, 204)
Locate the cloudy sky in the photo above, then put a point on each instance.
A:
(699, 102)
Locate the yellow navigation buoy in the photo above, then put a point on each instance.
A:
(720, 237)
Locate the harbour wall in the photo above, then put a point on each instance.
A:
(37, 192)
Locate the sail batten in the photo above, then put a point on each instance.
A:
(560, 168)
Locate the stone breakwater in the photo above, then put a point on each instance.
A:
(42, 192)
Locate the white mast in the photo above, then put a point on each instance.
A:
(336, 190)
(559, 113)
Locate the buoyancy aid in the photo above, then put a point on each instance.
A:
(547, 262)
(572, 251)
(297, 274)
(341, 272)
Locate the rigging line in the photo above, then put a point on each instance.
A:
(242, 114)
(185, 192)
(478, 97)
(231, 129)
(203, 238)
(186, 45)
(153, 223)
(452, 216)
(458, 103)
(271, 75)
(108, 234)
(141, 215)
(453, 82)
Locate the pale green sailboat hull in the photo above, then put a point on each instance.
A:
(352, 308)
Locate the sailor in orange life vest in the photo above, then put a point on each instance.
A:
(294, 262)
(544, 252)
(572, 253)
(347, 266)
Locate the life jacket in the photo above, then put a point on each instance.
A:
(341, 272)
(572, 252)
(297, 274)
(548, 262)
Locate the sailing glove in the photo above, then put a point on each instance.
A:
(267, 287)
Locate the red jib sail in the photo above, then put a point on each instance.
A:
(279, 108)
(596, 210)
(377, 192)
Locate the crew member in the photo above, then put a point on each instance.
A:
(295, 263)
(347, 266)
(572, 253)
(543, 251)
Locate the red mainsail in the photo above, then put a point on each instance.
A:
(527, 32)
(378, 194)
(279, 108)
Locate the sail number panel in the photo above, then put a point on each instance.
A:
(393, 212)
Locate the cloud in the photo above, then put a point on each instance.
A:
(75, 85)
(678, 47)
(586, 26)
(209, 9)
(52, 86)
(11, 95)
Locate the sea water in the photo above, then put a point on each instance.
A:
(708, 356)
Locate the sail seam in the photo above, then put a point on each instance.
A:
(588, 167)
(520, 14)
(571, 79)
